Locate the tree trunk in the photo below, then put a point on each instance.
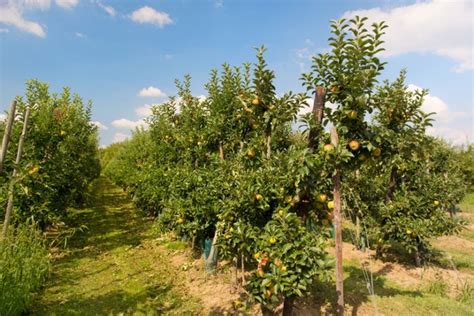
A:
(7, 134)
(417, 258)
(392, 185)
(9, 208)
(338, 231)
(288, 305)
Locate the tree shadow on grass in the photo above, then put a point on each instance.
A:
(111, 222)
(356, 293)
(154, 300)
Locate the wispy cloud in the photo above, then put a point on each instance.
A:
(107, 8)
(81, 35)
(4, 30)
(67, 4)
(12, 14)
(149, 15)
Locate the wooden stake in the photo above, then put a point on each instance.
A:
(318, 112)
(21, 142)
(211, 261)
(7, 134)
(338, 231)
(269, 145)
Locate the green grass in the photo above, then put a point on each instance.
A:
(113, 267)
(467, 203)
(390, 298)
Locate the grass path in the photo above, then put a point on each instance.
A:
(113, 267)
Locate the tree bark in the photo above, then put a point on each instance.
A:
(392, 185)
(7, 134)
(288, 305)
(19, 153)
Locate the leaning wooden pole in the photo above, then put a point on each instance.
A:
(338, 230)
(7, 134)
(318, 112)
(19, 153)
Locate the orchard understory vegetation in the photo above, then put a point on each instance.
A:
(242, 170)
(59, 161)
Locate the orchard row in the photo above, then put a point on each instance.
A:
(234, 168)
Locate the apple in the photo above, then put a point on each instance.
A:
(352, 115)
(330, 205)
(322, 197)
(377, 152)
(328, 147)
(354, 145)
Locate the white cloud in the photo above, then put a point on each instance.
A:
(107, 8)
(456, 127)
(3, 117)
(120, 137)
(168, 56)
(67, 4)
(151, 92)
(80, 35)
(460, 135)
(149, 15)
(100, 125)
(219, 3)
(4, 30)
(144, 111)
(125, 123)
(440, 27)
(435, 104)
(11, 14)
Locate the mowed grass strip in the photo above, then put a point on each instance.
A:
(113, 267)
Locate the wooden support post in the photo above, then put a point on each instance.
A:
(7, 134)
(269, 145)
(211, 261)
(21, 142)
(318, 113)
(338, 230)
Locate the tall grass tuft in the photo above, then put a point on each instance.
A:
(24, 264)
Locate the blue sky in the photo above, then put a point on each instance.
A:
(125, 55)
